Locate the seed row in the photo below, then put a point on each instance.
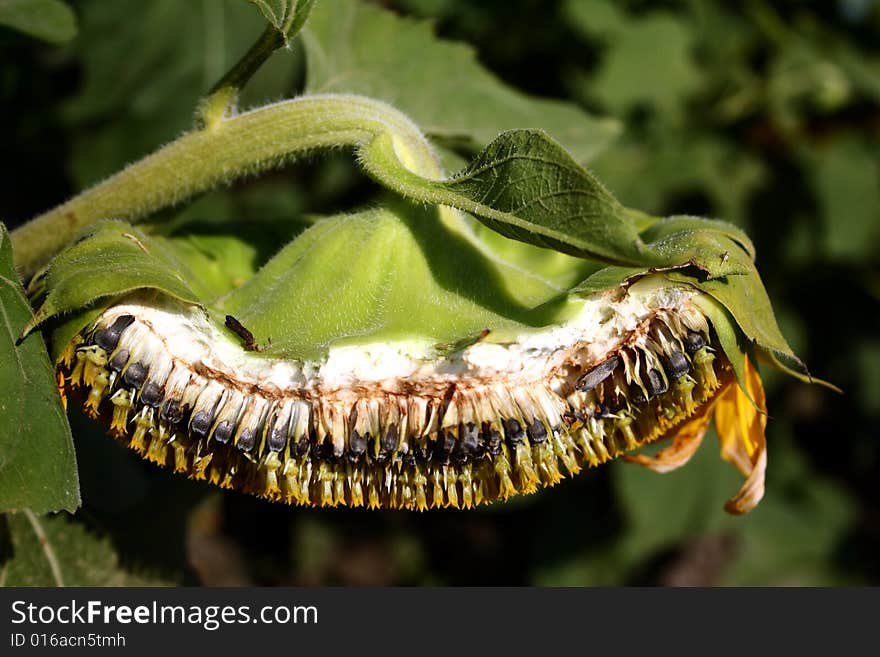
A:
(475, 443)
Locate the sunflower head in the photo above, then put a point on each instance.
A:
(417, 356)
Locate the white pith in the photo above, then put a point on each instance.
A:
(605, 321)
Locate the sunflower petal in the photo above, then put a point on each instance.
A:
(752, 490)
(740, 425)
(685, 443)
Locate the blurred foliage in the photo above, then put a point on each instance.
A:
(50, 20)
(763, 113)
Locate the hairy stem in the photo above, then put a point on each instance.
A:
(224, 151)
(221, 100)
(223, 96)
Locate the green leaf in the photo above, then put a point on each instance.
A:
(527, 187)
(630, 71)
(847, 180)
(606, 278)
(286, 16)
(729, 338)
(111, 259)
(713, 253)
(274, 11)
(56, 551)
(354, 47)
(49, 20)
(37, 461)
(682, 225)
(747, 301)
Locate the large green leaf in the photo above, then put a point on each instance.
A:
(56, 551)
(353, 47)
(37, 461)
(50, 20)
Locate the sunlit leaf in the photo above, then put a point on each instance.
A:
(112, 259)
(527, 187)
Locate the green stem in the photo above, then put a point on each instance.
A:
(221, 99)
(231, 148)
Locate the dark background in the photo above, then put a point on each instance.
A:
(768, 116)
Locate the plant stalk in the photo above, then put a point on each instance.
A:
(230, 148)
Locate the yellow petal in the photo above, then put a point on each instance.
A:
(752, 490)
(740, 425)
(683, 447)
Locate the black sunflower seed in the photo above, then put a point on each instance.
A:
(468, 442)
(693, 342)
(492, 441)
(117, 363)
(390, 439)
(677, 365)
(171, 411)
(277, 439)
(513, 431)
(537, 432)
(152, 394)
(223, 432)
(108, 338)
(447, 445)
(201, 423)
(247, 439)
(656, 384)
(135, 375)
(302, 446)
(598, 374)
(357, 445)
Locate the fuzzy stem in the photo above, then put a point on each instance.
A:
(220, 153)
(221, 100)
